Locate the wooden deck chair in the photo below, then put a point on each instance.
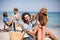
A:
(16, 35)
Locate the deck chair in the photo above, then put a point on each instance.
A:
(16, 35)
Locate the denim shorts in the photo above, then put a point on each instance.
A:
(28, 38)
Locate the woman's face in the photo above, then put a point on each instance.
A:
(27, 18)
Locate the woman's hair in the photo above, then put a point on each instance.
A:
(5, 14)
(43, 16)
(15, 9)
(23, 18)
(43, 10)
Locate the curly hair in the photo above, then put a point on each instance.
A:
(25, 13)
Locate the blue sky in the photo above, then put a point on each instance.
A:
(30, 5)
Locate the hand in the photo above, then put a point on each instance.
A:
(23, 27)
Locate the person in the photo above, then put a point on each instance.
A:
(49, 33)
(16, 14)
(17, 19)
(42, 22)
(26, 17)
(7, 21)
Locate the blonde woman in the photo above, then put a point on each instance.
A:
(42, 20)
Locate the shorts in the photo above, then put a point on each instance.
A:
(28, 38)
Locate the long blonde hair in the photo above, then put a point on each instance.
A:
(44, 16)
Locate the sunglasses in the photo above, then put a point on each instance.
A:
(44, 14)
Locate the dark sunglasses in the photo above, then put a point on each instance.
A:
(44, 14)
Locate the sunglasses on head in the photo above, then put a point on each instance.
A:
(44, 14)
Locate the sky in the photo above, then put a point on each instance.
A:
(30, 5)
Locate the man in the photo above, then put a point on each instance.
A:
(7, 21)
(26, 17)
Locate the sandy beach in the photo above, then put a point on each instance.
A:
(5, 35)
(56, 32)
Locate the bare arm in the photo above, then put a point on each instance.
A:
(34, 16)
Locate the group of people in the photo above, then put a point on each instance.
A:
(34, 28)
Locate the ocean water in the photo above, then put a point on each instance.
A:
(53, 18)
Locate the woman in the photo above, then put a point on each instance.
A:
(17, 19)
(41, 22)
(8, 22)
(49, 33)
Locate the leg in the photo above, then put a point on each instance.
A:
(43, 32)
(51, 35)
(39, 34)
(14, 26)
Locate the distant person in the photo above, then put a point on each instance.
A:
(17, 18)
(16, 14)
(7, 21)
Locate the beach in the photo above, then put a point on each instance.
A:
(56, 32)
(5, 35)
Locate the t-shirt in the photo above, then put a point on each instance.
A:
(28, 27)
(5, 20)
